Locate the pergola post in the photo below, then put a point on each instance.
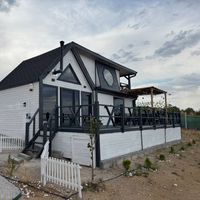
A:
(152, 97)
(165, 100)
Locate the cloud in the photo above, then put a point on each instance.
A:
(6, 5)
(180, 42)
(195, 53)
(146, 42)
(125, 56)
(134, 26)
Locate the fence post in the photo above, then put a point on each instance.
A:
(27, 134)
(186, 120)
(122, 118)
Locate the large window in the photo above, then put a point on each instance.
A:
(118, 102)
(69, 75)
(86, 102)
(69, 107)
(49, 100)
(107, 77)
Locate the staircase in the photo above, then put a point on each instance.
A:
(40, 133)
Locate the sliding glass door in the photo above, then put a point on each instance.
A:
(69, 113)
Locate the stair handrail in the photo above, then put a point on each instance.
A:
(27, 131)
(48, 124)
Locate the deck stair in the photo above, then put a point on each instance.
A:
(35, 145)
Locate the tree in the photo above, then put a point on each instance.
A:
(93, 126)
(190, 111)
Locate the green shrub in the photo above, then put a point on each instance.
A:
(189, 144)
(126, 165)
(162, 157)
(193, 141)
(148, 163)
(172, 151)
(182, 148)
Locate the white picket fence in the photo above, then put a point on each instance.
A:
(11, 143)
(60, 171)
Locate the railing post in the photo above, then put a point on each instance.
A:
(122, 118)
(97, 139)
(50, 137)
(27, 134)
(56, 118)
(34, 127)
(44, 133)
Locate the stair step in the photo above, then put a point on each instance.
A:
(24, 156)
(43, 136)
(38, 143)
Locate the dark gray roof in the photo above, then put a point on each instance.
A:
(29, 71)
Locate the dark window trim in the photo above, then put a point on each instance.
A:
(62, 88)
(73, 72)
(42, 97)
(101, 77)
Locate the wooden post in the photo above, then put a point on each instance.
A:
(97, 139)
(154, 118)
(44, 133)
(152, 97)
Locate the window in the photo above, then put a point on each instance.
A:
(118, 102)
(69, 75)
(49, 100)
(108, 77)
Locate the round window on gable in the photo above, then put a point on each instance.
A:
(108, 77)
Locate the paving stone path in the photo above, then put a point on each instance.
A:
(8, 191)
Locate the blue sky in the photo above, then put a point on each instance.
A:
(159, 39)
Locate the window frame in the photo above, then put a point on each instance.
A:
(74, 74)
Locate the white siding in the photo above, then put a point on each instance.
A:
(117, 144)
(173, 134)
(90, 66)
(153, 137)
(73, 146)
(12, 111)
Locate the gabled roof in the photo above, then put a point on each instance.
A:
(29, 71)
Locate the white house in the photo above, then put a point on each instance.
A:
(57, 91)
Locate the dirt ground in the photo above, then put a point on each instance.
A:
(178, 177)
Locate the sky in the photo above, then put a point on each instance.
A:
(160, 39)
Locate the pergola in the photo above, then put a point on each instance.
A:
(148, 91)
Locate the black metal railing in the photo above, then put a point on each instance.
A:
(32, 127)
(116, 117)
